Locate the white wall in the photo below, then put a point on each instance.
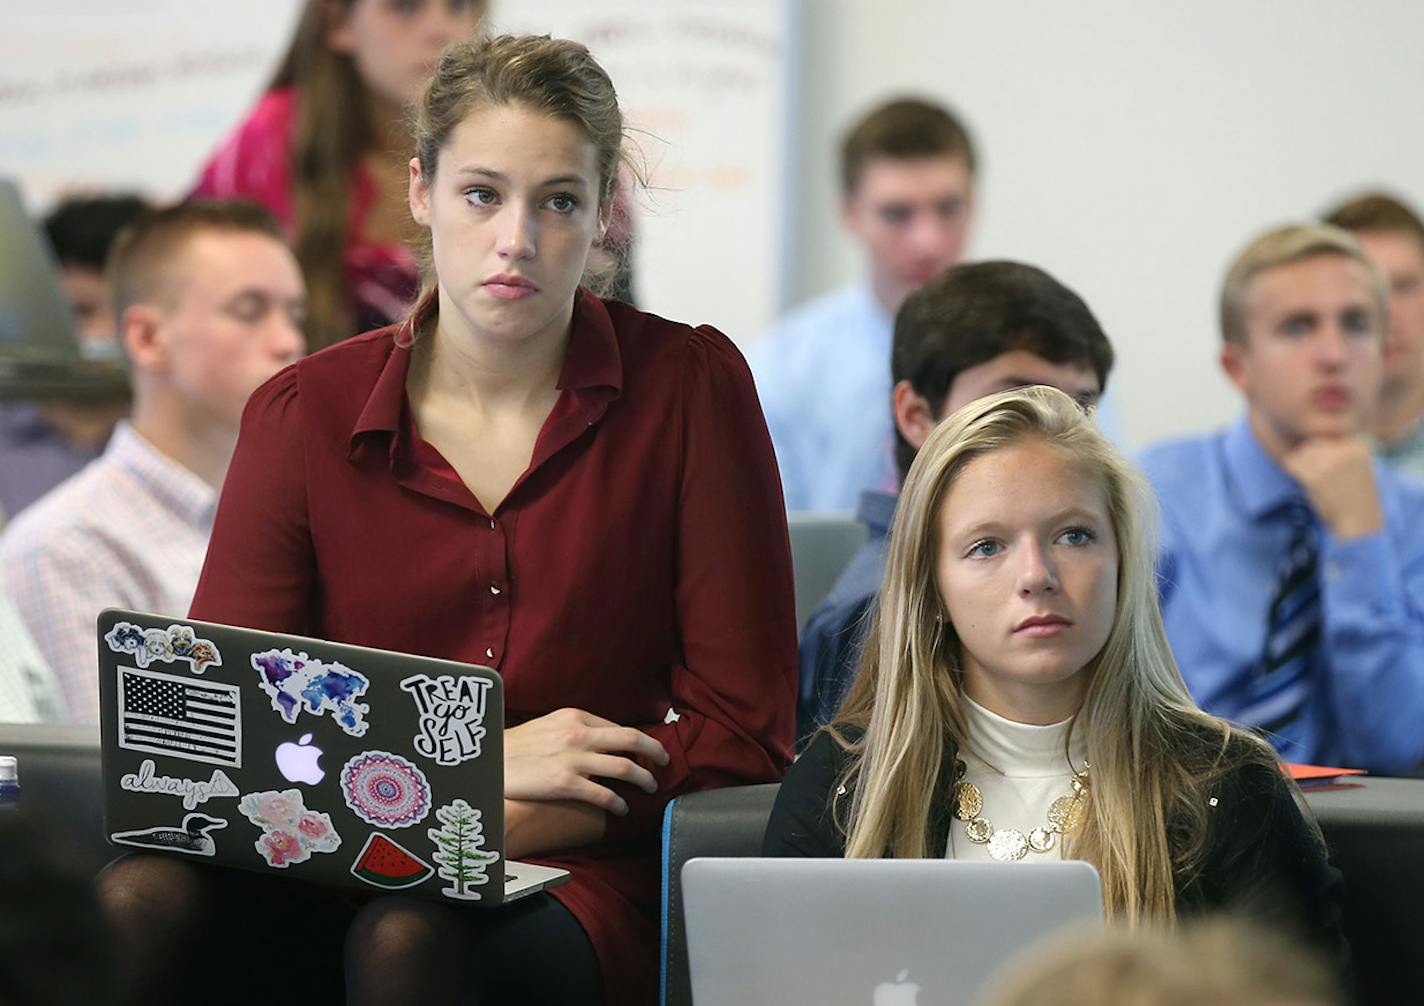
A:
(1129, 148)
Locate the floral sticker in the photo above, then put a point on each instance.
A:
(290, 832)
(177, 642)
(385, 789)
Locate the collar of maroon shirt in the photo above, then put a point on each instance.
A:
(591, 378)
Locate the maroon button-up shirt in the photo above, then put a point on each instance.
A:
(639, 566)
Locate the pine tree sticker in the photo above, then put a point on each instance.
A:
(458, 850)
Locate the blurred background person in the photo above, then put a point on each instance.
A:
(823, 371)
(1393, 235)
(81, 230)
(1216, 963)
(1292, 559)
(210, 304)
(325, 151)
(29, 692)
(44, 442)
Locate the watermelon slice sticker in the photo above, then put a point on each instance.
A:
(383, 863)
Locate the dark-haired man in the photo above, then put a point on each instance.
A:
(972, 331)
(907, 180)
(1393, 235)
(210, 303)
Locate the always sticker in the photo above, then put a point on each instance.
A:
(385, 789)
(180, 717)
(190, 837)
(384, 862)
(177, 642)
(290, 832)
(459, 850)
(193, 791)
(452, 712)
(295, 681)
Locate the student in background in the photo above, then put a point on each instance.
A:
(209, 301)
(1017, 700)
(530, 477)
(29, 692)
(1225, 962)
(822, 373)
(325, 150)
(81, 231)
(44, 442)
(1292, 564)
(1393, 235)
(971, 331)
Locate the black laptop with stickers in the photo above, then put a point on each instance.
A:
(322, 761)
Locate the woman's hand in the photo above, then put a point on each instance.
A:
(557, 756)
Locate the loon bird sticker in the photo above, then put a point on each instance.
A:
(190, 837)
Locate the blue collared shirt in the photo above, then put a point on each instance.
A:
(1224, 529)
(835, 633)
(823, 377)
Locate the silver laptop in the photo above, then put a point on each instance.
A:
(869, 932)
(307, 759)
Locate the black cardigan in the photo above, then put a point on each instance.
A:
(1260, 860)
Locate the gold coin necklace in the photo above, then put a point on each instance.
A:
(1008, 845)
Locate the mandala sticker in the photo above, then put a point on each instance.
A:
(385, 789)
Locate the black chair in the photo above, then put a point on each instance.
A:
(1375, 832)
(60, 785)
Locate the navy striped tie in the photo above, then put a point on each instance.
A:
(1281, 681)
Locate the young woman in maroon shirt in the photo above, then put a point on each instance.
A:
(525, 476)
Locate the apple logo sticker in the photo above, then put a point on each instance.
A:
(298, 762)
(900, 992)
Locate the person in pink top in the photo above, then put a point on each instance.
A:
(325, 151)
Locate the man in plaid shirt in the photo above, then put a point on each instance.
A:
(210, 304)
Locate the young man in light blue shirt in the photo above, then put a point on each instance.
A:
(1292, 569)
(823, 373)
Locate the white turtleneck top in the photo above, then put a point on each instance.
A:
(1020, 769)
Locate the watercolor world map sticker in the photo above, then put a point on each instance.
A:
(385, 789)
(294, 681)
(290, 832)
(177, 642)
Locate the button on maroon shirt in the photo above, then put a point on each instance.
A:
(639, 566)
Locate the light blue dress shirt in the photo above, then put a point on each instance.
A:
(823, 375)
(1224, 530)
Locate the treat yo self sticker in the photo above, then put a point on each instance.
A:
(452, 713)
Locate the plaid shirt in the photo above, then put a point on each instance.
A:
(130, 530)
(28, 691)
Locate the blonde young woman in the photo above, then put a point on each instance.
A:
(1017, 699)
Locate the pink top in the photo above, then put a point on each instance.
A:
(254, 162)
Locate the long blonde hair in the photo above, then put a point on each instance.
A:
(1152, 751)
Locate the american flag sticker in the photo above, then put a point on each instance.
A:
(180, 717)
